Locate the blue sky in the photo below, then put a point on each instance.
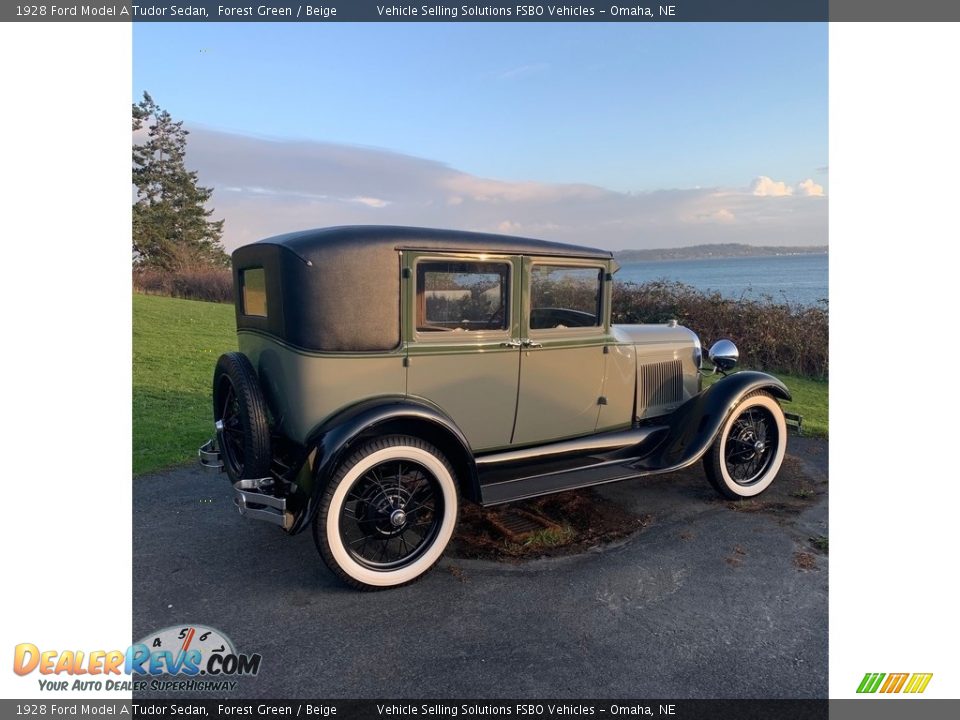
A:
(632, 108)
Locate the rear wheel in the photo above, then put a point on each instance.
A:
(747, 454)
(387, 514)
(240, 412)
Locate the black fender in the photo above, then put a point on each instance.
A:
(337, 436)
(695, 424)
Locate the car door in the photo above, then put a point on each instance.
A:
(463, 340)
(564, 329)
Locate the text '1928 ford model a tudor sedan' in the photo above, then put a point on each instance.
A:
(387, 374)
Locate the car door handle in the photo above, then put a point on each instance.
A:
(530, 344)
(511, 344)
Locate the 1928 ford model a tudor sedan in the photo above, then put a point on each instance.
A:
(386, 374)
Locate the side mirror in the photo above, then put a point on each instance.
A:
(724, 355)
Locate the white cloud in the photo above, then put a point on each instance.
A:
(370, 201)
(809, 188)
(766, 187)
(265, 187)
(493, 191)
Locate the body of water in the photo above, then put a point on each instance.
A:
(800, 279)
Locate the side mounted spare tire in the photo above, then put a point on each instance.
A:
(238, 404)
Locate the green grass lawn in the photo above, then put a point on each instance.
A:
(176, 344)
(809, 400)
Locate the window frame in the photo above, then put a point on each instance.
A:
(603, 271)
(471, 336)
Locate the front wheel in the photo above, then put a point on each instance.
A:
(387, 514)
(748, 452)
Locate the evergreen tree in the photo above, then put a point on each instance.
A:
(171, 225)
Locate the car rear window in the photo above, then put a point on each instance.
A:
(253, 291)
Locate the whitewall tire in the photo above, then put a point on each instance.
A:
(388, 513)
(747, 454)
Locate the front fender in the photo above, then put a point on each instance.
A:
(695, 424)
(338, 436)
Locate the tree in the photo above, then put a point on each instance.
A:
(172, 229)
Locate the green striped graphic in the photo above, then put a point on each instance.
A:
(916, 683)
(870, 682)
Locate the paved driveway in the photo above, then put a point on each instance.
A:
(710, 600)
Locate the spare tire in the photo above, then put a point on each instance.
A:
(238, 404)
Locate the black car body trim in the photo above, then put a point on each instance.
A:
(337, 436)
(695, 424)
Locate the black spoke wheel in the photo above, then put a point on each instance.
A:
(750, 444)
(748, 452)
(391, 514)
(388, 513)
(240, 414)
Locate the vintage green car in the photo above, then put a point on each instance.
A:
(386, 374)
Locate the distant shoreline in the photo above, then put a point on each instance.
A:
(708, 252)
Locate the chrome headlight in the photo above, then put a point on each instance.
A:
(697, 352)
(724, 355)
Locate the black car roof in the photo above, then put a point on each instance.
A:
(338, 289)
(312, 244)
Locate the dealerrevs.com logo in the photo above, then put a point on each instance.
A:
(188, 652)
(894, 683)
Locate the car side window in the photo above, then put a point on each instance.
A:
(462, 296)
(563, 296)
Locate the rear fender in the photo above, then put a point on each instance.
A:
(336, 437)
(695, 424)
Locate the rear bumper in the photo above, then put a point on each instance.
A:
(255, 504)
(210, 459)
(251, 496)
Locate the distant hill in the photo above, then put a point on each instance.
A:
(724, 250)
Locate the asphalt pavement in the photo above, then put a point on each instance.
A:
(710, 600)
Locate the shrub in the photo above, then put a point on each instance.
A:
(199, 283)
(775, 336)
(770, 335)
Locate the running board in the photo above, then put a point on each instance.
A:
(591, 445)
(531, 487)
(566, 465)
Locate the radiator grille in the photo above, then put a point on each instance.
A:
(660, 384)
